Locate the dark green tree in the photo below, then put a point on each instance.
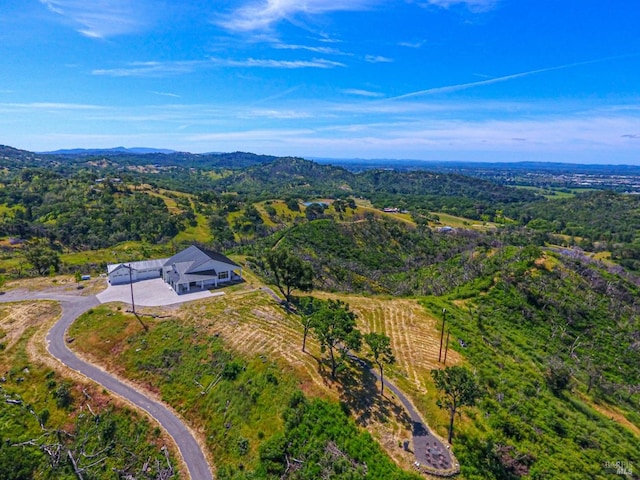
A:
(220, 229)
(292, 204)
(458, 388)
(307, 307)
(41, 256)
(335, 326)
(380, 346)
(314, 211)
(289, 272)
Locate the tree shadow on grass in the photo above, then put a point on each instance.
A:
(360, 395)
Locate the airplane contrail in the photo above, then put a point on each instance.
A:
(464, 86)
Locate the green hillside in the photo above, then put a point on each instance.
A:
(550, 333)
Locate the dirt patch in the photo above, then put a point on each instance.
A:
(615, 415)
(16, 318)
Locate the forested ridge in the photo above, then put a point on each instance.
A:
(540, 293)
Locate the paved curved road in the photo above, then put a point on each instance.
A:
(432, 454)
(429, 450)
(72, 307)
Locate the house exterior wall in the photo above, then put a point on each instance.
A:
(121, 275)
(144, 270)
(146, 274)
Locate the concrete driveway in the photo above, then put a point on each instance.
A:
(150, 293)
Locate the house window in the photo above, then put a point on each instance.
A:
(223, 275)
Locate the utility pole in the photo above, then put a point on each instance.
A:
(446, 349)
(444, 317)
(133, 305)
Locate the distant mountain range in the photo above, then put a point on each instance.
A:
(108, 151)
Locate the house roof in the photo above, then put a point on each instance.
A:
(141, 265)
(198, 256)
(183, 266)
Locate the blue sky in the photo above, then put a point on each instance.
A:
(485, 80)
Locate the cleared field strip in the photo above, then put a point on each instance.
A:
(253, 325)
(415, 335)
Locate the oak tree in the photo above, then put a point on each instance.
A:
(458, 388)
(380, 346)
(289, 272)
(335, 326)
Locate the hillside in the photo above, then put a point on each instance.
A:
(552, 336)
(48, 416)
(540, 297)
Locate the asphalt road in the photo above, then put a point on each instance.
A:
(72, 307)
(432, 454)
(428, 449)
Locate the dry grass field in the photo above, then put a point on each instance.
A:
(252, 323)
(17, 318)
(415, 335)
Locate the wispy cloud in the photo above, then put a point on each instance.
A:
(268, 135)
(505, 78)
(323, 50)
(277, 96)
(262, 14)
(163, 69)
(51, 106)
(100, 18)
(270, 63)
(377, 59)
(412, 44)
(150, 69)
(166, 94)
(277, 114)
(361, 93)
(473, 5)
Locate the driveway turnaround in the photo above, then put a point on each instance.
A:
(72, 307)
(150, 293)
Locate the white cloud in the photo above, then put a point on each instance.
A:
(277, 114)
(418, 44)
(361, 93)
(163, 69)
(377, 59)
(270, 63)
(166, 94)
(150, 69)
(323, 50)
(490, 81)
(50, 106)
(262, 14)
(101, 18)
(473, 5)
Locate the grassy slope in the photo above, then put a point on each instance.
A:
(197, 341)
(37, 411)
(521, 426)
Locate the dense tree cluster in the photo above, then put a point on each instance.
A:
(82, 213)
